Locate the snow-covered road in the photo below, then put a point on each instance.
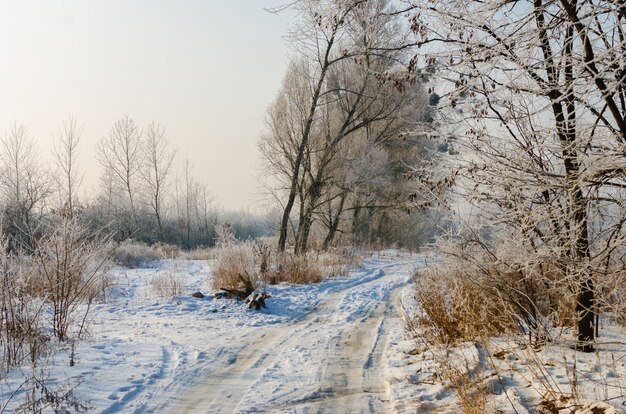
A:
(326, 360)
(316, 348)
(335, 347)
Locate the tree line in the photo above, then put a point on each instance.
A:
(343, 133)
(142, 193)
(508, 117)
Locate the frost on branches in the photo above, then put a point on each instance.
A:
(533, 97)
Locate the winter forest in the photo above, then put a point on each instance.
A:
(441, 228)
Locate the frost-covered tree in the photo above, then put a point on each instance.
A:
(24, 187)
(120, 155)
(534, 94)
(346, 79)
(156, 170)
(195, 214)
(67, 177)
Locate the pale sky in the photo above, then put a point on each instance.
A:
(204, 69)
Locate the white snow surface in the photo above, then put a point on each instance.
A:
(336, 347)
(317, 347)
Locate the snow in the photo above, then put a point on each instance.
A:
(513, 377)
(336, 346)
(153, 354)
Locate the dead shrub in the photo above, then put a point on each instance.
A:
(453, 309)
(299, 269)
(236, 265)
(166, 284)
(132, 254)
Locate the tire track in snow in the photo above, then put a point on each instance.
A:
(327, 361)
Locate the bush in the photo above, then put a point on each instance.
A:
(22, 334)
(236, 263)
(132, 254)
(453, 309)
(247, 265)
(475, 292)
(299, 269)
(166, 284)
(72, 268)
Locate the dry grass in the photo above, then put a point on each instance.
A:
(337, 262)
(453, 309)
(248, 265)
(167, 284)
(199, 253)
(236, 267)
(298, 269)
(133, 254)
(167, 251)
(474, 294)
(22, 333)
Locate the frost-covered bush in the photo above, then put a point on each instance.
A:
(453, 309)
(132, 254)
(57, 284)
(236, 263)
(22, 333)
(72, 269)
(337, 262)
(473, 292)
(247, 265)
(166, 284)
(304, 268)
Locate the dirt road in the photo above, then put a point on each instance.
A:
(328, 361)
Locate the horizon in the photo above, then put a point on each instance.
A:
(205, 71)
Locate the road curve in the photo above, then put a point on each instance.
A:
(329, 361)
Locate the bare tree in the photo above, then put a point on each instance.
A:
(120, 155)
(69, 180)
(24, 186)
(158, 159)
(321, 29)
(536, 98)
(349, 52)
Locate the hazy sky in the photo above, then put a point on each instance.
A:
(205, 69)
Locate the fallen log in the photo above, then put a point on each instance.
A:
(239, 294)
(257, 301)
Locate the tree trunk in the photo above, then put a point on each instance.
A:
(585, 298)
(282, 239)
(304, 228)
(334, 222)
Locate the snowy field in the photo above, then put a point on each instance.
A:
(315, 346)
(336, 347)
